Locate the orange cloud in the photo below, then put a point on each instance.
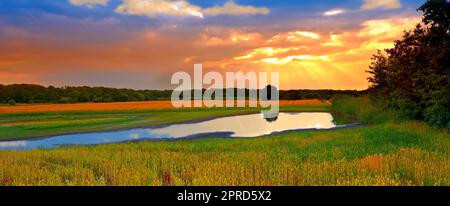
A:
(217, 36)
(336, 60)
(305, 58)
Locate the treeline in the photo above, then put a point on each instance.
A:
(317, 94)
(412, 78)
(29, 93)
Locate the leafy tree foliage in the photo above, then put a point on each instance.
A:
(413, 77)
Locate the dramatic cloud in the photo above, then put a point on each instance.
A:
(321, 58)
(311, 49)
(231, 8)
(152, 8)
(333, 12)
(89, 3)
(294, 36)
(385, 4)
(216, 36)
(307, 34)
(387, 28)
(306, 58)
(309, 46)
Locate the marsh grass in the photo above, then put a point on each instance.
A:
(347, 109)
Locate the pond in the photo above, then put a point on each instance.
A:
(251, 125)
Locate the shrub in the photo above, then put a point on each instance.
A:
(12, 102)
(347, 109)
(65, 100)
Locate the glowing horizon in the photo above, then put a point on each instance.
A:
(141, 43)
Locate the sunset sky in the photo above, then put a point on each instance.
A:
(140, 43)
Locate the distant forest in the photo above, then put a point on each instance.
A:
(29, 93)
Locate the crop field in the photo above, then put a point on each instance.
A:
(114, 106)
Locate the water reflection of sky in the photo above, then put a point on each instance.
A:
(252, 125)
(239, 126)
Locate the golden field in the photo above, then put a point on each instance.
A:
(114, 106)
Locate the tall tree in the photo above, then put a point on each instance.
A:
(414, 76)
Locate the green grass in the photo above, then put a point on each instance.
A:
(409, 153)
(385, 152)
(347, 109)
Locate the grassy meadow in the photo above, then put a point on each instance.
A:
(386, 151)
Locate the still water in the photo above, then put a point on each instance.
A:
(252, 125)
